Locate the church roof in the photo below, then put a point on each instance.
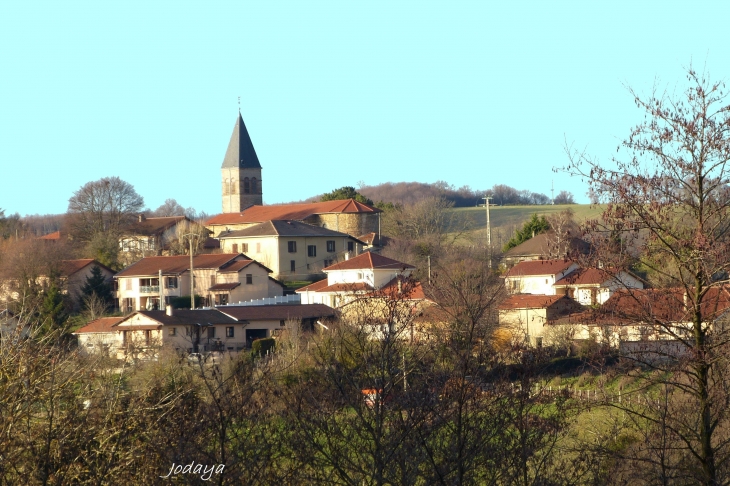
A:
(292, 212)
(240, 153)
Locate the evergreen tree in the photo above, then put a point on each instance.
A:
(96, 284)
(53, 310)
(345, 192)
(534, 226)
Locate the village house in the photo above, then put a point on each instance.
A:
(291, 249)
(546, 246)
(537, 276)
(527, 317)
(72, 276)
(594, 286)
(150, 236)
(227, 329)
(218, 278)
(99, 337)
(352, 278)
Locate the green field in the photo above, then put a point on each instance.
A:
(506, 219)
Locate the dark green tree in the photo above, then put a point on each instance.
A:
(53, 309)
(96, 284)
(534, 226)
(345, 192)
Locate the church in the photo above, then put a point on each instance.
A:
(242, 198)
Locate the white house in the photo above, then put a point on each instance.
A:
(591, 286)
(538, 276)
(357, 276)
(100, 337)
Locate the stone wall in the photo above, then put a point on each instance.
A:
(354, 224)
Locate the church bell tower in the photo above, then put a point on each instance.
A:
(241, 172)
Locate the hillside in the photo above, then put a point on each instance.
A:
(506, 219)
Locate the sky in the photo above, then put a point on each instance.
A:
(332, 93)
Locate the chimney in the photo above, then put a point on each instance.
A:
(141, 218)
(347, 255)
(168, 310)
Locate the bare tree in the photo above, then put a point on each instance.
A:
(103, 206)
(669, 195)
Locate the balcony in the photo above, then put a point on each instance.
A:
(149, 289)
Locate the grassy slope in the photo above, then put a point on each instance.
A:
(505, 220)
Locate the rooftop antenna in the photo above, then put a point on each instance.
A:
(552, 191)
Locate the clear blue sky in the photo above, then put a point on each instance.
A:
(333, 93)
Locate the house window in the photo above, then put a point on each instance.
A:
(246, 186)
(282, 323)
(147, 337)
(293, 265)
(292, 246)
(244, 247)
(171, 282)
(249, 279)
(234, 248)
(327, 263)
(312, 250)
(172, 331)
(221, 299)
(128, 305)
(128, 284)
(258, 247)
(211, 332)
(229, 332)
(330, 246)
(212, 280)
(350, 246)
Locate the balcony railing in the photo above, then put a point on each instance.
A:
(149, 289)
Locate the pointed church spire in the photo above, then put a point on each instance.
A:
(240, 153)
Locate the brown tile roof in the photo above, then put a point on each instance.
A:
(277, 312)
(150, 266)
(528, 301)
(69, 267)
(103, 324)
(181, 317)
(283, 228)
(584, 276)
(155, 226)
(538, 267)
(238, 266)
(628, 306)
(369, 260)
(297, 212)
(313, 287)
(539, 245)
(225, 286)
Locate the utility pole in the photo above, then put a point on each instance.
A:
(489, 230)
(192, 277)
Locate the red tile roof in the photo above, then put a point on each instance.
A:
(409, 289)
(585, 276)
(528, 301)
(151, 266)
(538, 267)
(313, 287)
(297, 212)
(103, 324)
(369, 260)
